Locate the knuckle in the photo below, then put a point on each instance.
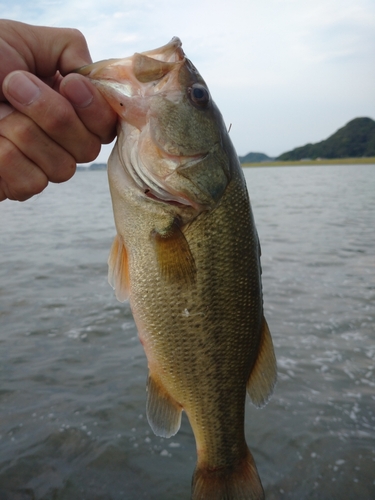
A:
(31, 186)
(24, 130)
(91, 151)
(58, 117)
(39, 184)
(77, 36)
(8, 153)
(64, 171)
(20, 178)
(108, 133)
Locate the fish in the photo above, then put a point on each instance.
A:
(187, 257)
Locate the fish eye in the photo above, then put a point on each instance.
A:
(199, 95)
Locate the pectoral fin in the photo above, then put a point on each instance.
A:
(174, 256)
(264, 373)
(163, 412)
(118, 269)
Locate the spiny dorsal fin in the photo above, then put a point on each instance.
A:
(264, 373)
(174, 256)
(163, 412)
(118, 270)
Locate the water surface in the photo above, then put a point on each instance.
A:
(73, 373)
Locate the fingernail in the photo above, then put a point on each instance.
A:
(77, 92)
(22, 88)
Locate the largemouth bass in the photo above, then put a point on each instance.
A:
(187, 256)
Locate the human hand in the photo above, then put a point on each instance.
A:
(48, 121)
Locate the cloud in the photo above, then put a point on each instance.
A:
(284, 72)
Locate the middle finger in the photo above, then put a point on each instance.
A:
(52, 113)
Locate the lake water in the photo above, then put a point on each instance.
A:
(73, 373)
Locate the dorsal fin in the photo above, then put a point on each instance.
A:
(118, 269)
(264, 373)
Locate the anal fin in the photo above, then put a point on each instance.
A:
(163, 412)
(264, 373)
(118, 269)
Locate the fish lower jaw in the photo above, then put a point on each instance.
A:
(160, 188)
(178, 202)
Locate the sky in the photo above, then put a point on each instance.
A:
(283, 72)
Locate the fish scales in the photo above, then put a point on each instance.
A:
(187, 256)
(211, 308)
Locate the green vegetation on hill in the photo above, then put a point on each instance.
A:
(254, 158)
(355, 140)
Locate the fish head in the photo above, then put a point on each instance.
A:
(171, 136)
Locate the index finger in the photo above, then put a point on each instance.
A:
(90, 106)
(40, 50)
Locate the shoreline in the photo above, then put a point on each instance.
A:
(335, 161)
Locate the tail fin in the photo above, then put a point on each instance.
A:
(238, 482)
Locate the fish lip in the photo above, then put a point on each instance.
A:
(172, 49)
(98, 72)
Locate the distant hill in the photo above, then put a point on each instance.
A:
(98, 166)
(355, 140)
(93, 166)
(254, 158)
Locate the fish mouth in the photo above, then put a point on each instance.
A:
(126, 75)
(129, 84)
